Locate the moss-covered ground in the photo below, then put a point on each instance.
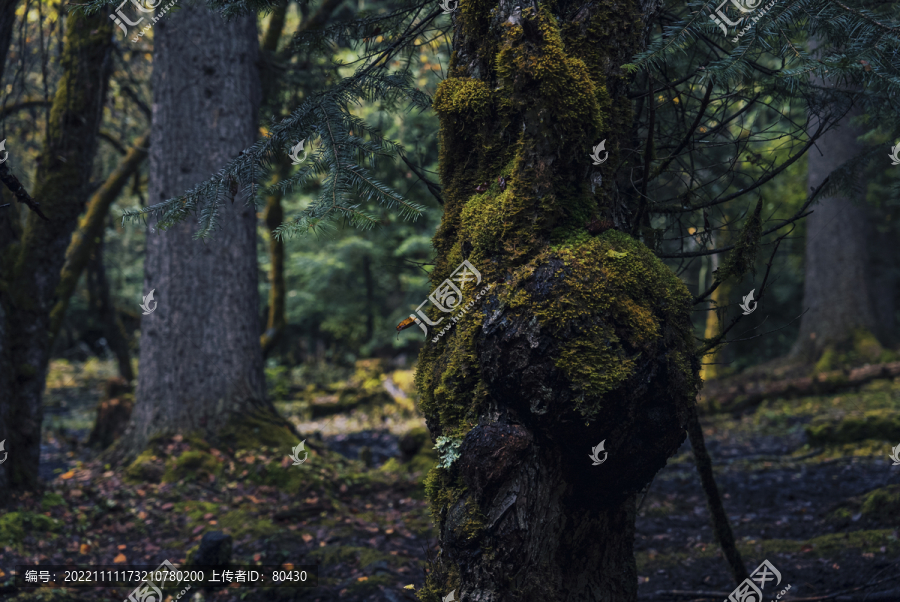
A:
(807, 484)
(365, 527)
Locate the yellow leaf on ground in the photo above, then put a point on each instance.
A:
(67, 475)
(84, 548)
(120, 559)
(410, 586)
(362, 578)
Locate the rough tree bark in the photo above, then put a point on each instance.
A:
(578, 339)
(30, 267)
(839, 276)
(200, 357)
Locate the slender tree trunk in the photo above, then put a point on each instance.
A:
(718, 518)
(370, 296)
(200, 357)
(276, 321)
(90, 229)
(101, 301)
(575, 340)
(7, 21)
(31, 270)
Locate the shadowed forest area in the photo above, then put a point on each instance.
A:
(652, 249)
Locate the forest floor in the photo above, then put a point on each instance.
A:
(807, 483)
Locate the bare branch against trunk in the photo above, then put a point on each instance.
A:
(90, 229)
(200, 357)
(274, 213)
(577, 339)
(277, 321)
(718, 518)
(28, 288)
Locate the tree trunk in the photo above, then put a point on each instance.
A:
(101, 302)
(200, 357)
(276, 321)
(31, 270)
(837, 286)
(90, 229)
(567, 340)
(7, 21)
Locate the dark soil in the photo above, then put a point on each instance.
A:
(369, 530)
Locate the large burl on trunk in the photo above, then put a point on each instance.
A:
(580, 339)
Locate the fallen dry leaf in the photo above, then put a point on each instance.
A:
(142, 515)
(167, 506)
(122, 546)
(197, 529)
(362, 578)
(307, 537)
(120, 559)
(287, 566)
(84, 548)
(67, 475)
(256, 557)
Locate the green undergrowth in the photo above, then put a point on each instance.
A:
(882, 505)
(15, 526)
(833, 545)
(239, 522)
(873, 424)
(862, 348)
(253, 449)
(340, 391)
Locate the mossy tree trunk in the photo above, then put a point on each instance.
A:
(579, 339)
(90, 230)
(200, 357)
(30, 266)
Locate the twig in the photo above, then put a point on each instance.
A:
(433, 188)
(715, 341)
(12, 182)
(648, 149)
